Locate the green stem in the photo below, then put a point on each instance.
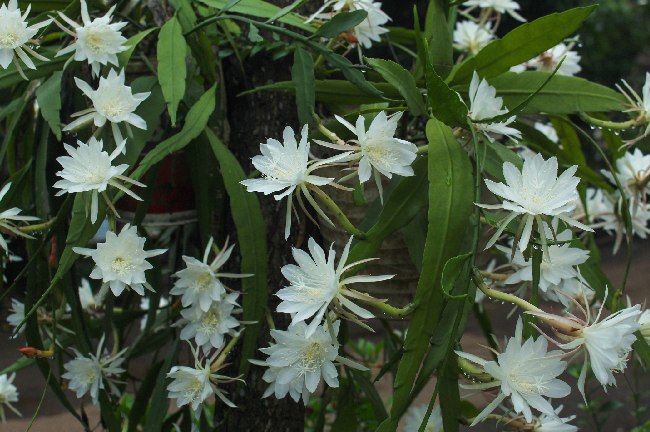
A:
(338, 213)
(498, 295)
(328, 133)
(474, 371)
(37, 227)
(389, 310)
(529, 320)
(222, 357)
(607, 124)
(423, 149)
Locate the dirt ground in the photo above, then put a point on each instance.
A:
(53, 417)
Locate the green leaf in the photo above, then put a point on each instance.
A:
(195, 121)
(261, 9)
(492, 156)
(336, 91)
(355, 76)
(562, 95)
(159, 402)
(340, 23)
(19, 364)
(48, 96)
(143, 396)
(438, 36)
(254, 34)
(451, 272)
(451, 189)
(302, 74)
(251, 238)
(403, 81)
(10, 76)
(446, 105)
(172, 70)
(286, 10)
(521, 44)
(124, 57)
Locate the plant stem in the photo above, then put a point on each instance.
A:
(222, 357)
(498, 295)
(338, 213)
(607, 124)
(389, 310)
(37, 227)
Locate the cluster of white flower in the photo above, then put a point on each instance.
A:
(549, 60)
(367, 31)
(207, 319)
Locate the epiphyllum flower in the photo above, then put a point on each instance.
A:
(500, 6)
(548, 60)
(316, 283)
(120, 261)
(286, 169)
(377, 148)
(303, 360)
(193, 385)
(199, 282)
(113, 101)
(484, 105)
(472, 37)
(208, 328)
(89, 373)
(607, 343)
(8, 395)
(97, 41)
(8, 219)
(633, 171)
(535, 192)
(526, 373)
(89, 168)
(15, 34)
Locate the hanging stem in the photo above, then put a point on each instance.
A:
(37, 227)
(338, 213)
(498, 295)
(222, 357)
(607, 124)
(529, 320)
(387, 309)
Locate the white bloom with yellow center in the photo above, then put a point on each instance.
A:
(377, 149)
(526, 373)
(8, 395)
(484, 105)
(633, 171)
(120, 261)
(370, 29)
(88, 374)
(317, 283)
(198, 283)
(509, 7)
(208, 328)
(15, 35)
(96, 41)
(89, 168)
(113, 101)
(305, 359)
(286, 169)
(472, 37)
(535, 192)
(549, 60)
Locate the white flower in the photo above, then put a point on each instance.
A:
(89, 168)
(97, 41)
(7, 218)
(8, 395)
(501, 6)
(377, 148)
(17, 314)
(194, 385)
(607, 344)
(208, 328)
(16, 35)
(316, 283)
(370, 29)
(484, 105)
(86, 296)
(633, 171)
(534, 192)
(526, 373)
(303, 359)
(639, 104)
(296, 389)
(89, 373)
(548, 130)
(554, 423)
(644, 323)
(415, 416)
(472, 37)
(120, 261)
(199, 283)
(557, 267)
(286, 169)
(113, 101)
(548, 60)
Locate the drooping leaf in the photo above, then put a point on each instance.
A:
(172, 70)
(48, 96)
(340, 23)
(302, 74)
(402, 80)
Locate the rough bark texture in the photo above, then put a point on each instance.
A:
(251, 120)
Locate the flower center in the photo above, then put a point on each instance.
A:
(312, 357)
(9, 39)
(204, 281)
(194, 389)
(121, 265)
(95, 42)
(113, 108)
(527, 384)
(379, 153)
(89, 376)
(210, 321)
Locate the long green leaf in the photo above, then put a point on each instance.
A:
(251, 238)
(562, 95)
(124, 57)
(521, 44)
(172, 69)
(451, 189)
(340, 23)
(302, 74)
(337, 91)
(262, 9)
(159, 402)
(403, 81)
(48, 96)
